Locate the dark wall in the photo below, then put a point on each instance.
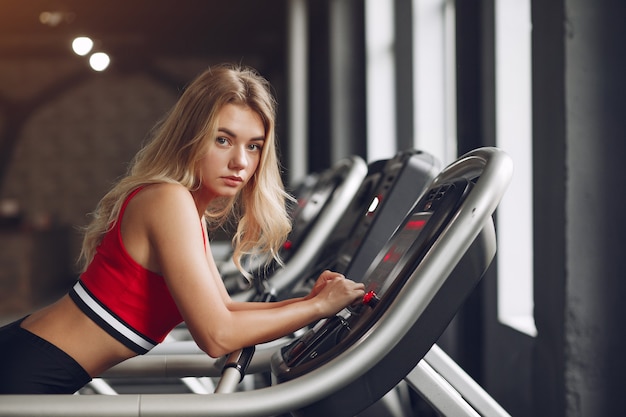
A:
(595, 106)
(337, 125)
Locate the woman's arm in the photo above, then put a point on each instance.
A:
(218, 326)
(238, 305)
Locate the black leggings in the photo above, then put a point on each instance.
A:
(32, 365)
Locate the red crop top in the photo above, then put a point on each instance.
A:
(128, 301)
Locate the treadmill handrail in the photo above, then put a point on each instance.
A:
(347, 366)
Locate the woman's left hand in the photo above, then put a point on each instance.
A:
(321, 281)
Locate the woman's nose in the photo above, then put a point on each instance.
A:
(239, 159)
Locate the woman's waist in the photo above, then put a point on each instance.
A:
(67, 327)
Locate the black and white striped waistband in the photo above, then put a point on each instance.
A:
(109, 321)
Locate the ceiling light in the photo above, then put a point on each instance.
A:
(99, 61)
(54, 18)
(82, 45)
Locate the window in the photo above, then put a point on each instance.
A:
(380, 79)
(434, 83)
(514, 136)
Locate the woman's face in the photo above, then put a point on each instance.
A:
(233, 155)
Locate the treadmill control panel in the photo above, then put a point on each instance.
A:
(377, 208)
(384, 278)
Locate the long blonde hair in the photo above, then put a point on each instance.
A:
(172, 156)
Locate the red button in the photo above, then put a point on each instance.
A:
(371, 299)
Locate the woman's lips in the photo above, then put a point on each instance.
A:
(232, 181)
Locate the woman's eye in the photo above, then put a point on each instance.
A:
(221, 140)
(255, 147)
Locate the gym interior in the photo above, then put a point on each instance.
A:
(535, 90)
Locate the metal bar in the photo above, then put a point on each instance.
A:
(463, 383)
(438, 392)
(235, 369)
(182, 365)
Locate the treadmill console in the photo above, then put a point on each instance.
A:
(309, 208)
(383, 280)
(390, 190)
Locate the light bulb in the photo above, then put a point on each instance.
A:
(99, 61)
(82, 45)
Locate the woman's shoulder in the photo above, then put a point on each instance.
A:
(163, 192)
(159, 217)
(160, 199)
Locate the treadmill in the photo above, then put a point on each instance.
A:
(347, 362)
(390, 189)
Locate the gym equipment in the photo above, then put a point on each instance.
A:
(416, 284)
(387, 193)
(393, 273)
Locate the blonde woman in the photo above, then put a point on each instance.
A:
(147, 259)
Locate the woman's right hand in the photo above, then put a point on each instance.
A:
(337, 293)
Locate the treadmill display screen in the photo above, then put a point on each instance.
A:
(383, 274)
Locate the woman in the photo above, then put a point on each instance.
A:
(147, 259)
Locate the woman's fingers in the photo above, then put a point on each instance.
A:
(322, 279)
(340, 292)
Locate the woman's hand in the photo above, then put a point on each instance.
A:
(334, 292)
(321, 282)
